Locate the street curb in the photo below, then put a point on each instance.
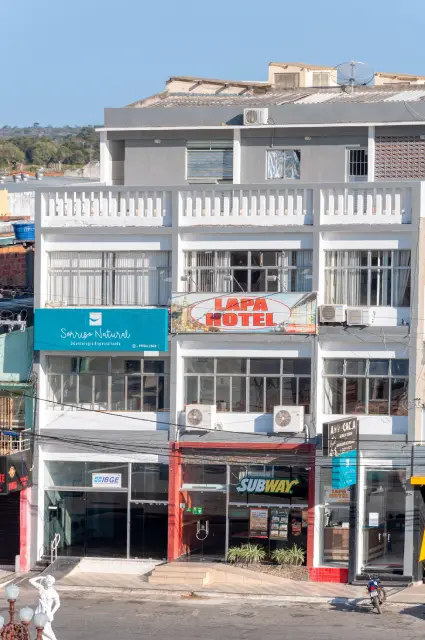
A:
(184, 593)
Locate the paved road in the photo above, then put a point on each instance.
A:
(98, 617)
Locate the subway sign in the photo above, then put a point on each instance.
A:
(261, 485)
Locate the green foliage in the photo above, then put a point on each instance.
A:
(291, 555)
(10, 154)
(246, 554)
(42, 145)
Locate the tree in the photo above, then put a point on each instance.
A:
(10, 154)
(43, 152)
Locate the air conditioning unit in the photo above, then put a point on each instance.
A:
(200, 416)
(333, 312)
(362, 316)
(252, 117)
(288, 419)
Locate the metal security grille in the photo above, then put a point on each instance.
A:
(399, 158)
(357, 165)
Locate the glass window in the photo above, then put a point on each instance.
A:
(378, 367)
(264, 365)
(368, 278)
(149, 481)
(283, 164)
(248, 271)
(120, 468)
(121, 390)
(201, 474)
(64, 474)
(335, 512)
(363, 387)
(95, 278)
(231, 365)
(267, 386)
(199, 365)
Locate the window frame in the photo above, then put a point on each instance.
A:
(331, 270)
(194, 281)
(283, 148)
(367, 377)
(247, 376)
(109, 275)
(162, 385)
(348, 176)
(201, 146)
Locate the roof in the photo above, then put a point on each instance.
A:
(233, 83)
(302, 65)
(406, 76)
(302, 96)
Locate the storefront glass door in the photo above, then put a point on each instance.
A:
(148, 530)
(383, 530)
(204, 524)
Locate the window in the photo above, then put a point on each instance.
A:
(253, 385)
(94, 278)
(357, 165)
(321, 79)
(12, 410)
(287, 80)
(369, 278)
(108, 384)
(210, 161)
(248, 271)
(283, 164)
(374, 387)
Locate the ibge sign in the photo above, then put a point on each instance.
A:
(101, 330)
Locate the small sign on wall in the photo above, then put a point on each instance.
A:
(104, 480)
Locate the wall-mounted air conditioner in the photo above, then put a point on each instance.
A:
(253, 117)
(200, 416)
(362, 316)
(288, 419)
(333, 312)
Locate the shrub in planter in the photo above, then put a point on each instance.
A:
(294, 556)
(246, 554)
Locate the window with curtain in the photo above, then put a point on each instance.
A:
(283, 164)
(109, 384)
(253, 385)
(249, 271)
(211, 160)
(361, 386)
(368, 278)
(106, 278)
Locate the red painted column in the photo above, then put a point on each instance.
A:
(25, 531)
(174, 511)
(311, 505)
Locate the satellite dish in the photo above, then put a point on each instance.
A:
(354, 74)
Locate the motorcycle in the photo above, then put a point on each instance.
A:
(376, 592)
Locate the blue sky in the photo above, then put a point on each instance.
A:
(63, 62)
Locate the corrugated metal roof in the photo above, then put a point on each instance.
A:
(276, 97)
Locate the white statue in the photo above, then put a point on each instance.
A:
(48, 602)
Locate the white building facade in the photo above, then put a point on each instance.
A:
(290, 277)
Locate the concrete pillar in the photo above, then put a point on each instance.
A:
(105, 159)
(371, 154)
(237, 156)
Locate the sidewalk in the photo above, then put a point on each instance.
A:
(278, 589)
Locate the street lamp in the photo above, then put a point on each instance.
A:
(15, 630)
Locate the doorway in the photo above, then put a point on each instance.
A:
(204, 525)
(384, 524)
(148, 530)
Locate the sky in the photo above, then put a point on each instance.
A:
(64, 61)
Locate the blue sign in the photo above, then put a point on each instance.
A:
(344, 470)
(101, 330)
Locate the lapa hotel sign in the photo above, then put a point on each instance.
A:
(101, 330)
(276, 313)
